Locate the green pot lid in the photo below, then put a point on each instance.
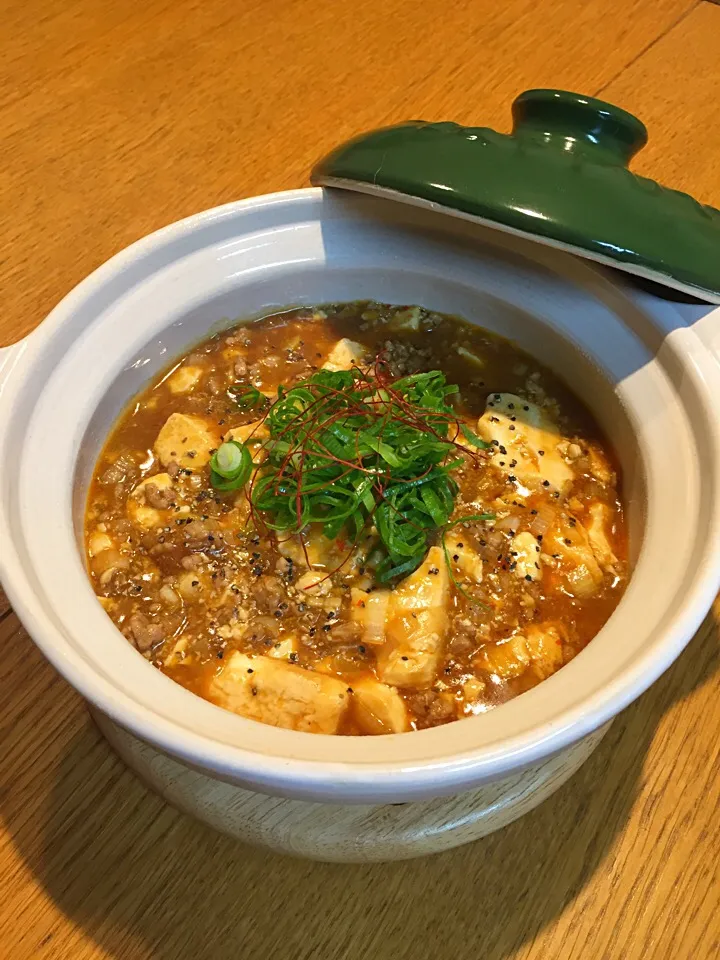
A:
(561, 178)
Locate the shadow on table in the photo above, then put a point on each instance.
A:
(144, 881)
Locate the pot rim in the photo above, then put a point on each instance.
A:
(303, 778)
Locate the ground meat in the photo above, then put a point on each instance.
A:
(160, 499)
(204, 535)
(269, 593)
(404, 358)
(431, 707)
(240, 367)
(464, 638)
(193, 562)
(173, 470)
(124, 468)
(144, 633)
(263, 630)
(239, 336)
(151, 538)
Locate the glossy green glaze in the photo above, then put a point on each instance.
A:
(561, 177)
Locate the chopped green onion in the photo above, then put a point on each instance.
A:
(230, 466)
(346, 450)
(246, 396)
(473, 438)
(228, 459)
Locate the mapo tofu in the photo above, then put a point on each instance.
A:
(357, 519)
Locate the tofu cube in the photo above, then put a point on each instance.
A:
(416, 625)
(369, 611)
(525, 551)
(345, 354)
(378, 708)
(184, 379)
(530, 440)
(278, 693)
(186, 440)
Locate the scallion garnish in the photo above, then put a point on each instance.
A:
(348, 449)
(473, 438)
(247, 397)
(230, 466)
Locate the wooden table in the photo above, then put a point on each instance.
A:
(117, 118)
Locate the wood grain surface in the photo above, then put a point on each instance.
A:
(117, 118)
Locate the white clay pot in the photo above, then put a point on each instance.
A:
(648, 371)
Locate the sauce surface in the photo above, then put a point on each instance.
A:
(296, 629)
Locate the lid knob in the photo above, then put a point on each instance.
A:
(577, 124)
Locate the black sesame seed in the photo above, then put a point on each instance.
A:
(361, 648)
(546, 483)
(250, 670)
(528, 577)
(403, 658)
